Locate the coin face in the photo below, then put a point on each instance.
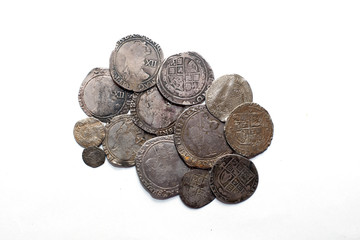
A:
(233, 178)
(101, 98)
(226, 93)
(89, 132)
(195, 189)
(135, 62)
(184, 78)
(199, 137)
(249, 129)
(153, 113)
(93, 156)
(159, 167)
(122, 141)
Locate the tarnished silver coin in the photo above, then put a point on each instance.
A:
(195, 189)
(153, 113)
(159, 167)
(122, 141)
(89, 132)
(101, 98)
(184, 78)
(93, 156)
(233, 178)
(225, 94)
(249, 129)
(135, 62)
(199, 137)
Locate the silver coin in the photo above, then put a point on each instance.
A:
(89, 132)
(93, 157)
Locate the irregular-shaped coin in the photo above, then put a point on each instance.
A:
(135, 62)
(93, 156)
(101, 98)
(249, 129)
(199, 137)
(184, 78)
(159, 167)
(225, 94)
(89, 132)
(233, 178)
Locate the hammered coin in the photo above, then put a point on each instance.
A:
(159, 167)
(89, 132)
(135, 62)
(225, 94)
(233, 178)
(93, 156)
(101, 98)
(184, 78)
(123, 139)
(199, 137)
(249, 129)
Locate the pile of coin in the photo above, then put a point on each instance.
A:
(156, 120)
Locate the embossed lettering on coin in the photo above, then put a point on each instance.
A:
(93, 156)
(89, 132)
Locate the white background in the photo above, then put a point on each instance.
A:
(301, 59)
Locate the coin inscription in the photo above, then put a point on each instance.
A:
(89, 132)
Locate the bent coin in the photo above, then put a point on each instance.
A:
(89, 132)
(93, 156)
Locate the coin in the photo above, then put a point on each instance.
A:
(123, 139)
(135, 62)
(153, 113)
(199, 137)
(249, 129)
(93, 156)
(225, 94)
(233, 178)
(100, 97)
(183, 78)
(195, 189)
(89, 132)
(159, 167)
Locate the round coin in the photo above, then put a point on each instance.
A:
(233, 178)
(225, 94)
(135, 62)
(249, 129)
(159, 167)
(184, 78)
(93, 156)
(101, 98)
(123, 140)
(89, 132)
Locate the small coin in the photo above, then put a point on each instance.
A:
(89, 132)
(225, 94)
(159, 167)
(249, 129)
(123, 139)
(135, 62)
(93, 156)
(101, 98)
(199, 137)
(153, 113)
(183, 78)
(195, 189)
(233, 178)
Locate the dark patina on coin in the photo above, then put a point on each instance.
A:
(159, 167)
(195, 189)
(233, 178)
(89, 132)
(184, 78)
(249, 129)
(199, 137)
(101, 98)
(153, 113)
(93, 156)
(135, 62)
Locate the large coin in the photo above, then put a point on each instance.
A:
(89, 132)
(233, 178)
(199, 137)
(249, 129)
(101, 98)
(153, 113)
(160, 168)
(226, 93)
(184, 78)
(93, 156)
(135, 62)
(123, 140)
